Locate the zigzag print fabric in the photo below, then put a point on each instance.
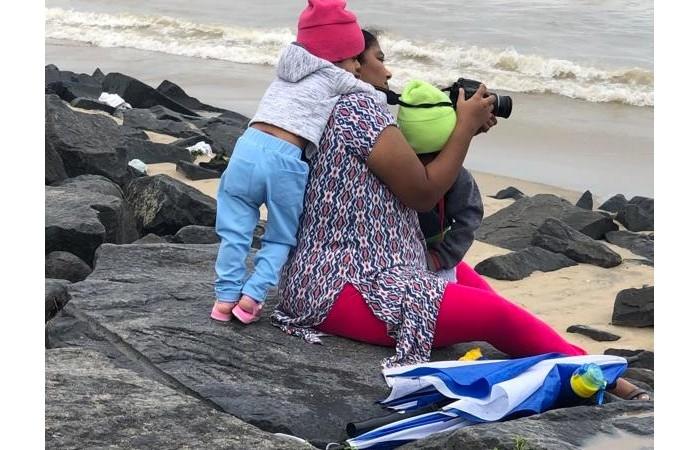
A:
(354, 230)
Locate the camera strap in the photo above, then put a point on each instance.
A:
(393, 98)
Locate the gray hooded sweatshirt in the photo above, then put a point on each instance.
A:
(302, 96)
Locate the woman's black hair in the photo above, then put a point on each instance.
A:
(370, 40)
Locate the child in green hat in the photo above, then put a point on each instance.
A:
(426, 118)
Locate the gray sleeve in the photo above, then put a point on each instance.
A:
(464, 211)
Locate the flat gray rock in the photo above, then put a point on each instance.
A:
(91, 403)
(156, 299)
(518, 265)
(514, 227)
(65, 266)
(197, 234)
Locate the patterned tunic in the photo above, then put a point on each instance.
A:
(354, 230)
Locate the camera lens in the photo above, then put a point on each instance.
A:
(503, 106)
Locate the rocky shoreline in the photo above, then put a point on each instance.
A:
(132, 359)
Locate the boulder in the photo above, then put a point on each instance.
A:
(176, 93)
(151, 238)
(634, 307)
(522, 263)
(85, 142)
(93, 403)
(70, 90)
(556, 236)
(154, 301)
(224, 132)
(509, 192)
(638, 214)
(55, 297)
(637, 375)
(82, 214)
(641, 359)
(65, 266)
(596, 335)
(196, 234)
(190, 141)
(218, 163)
(194, 172)
(144, 119)
(612, 425)
(88, 103)
(152, 152)
(514, 227)
(639, 244)
(586, 201)
(98, 76)
(54, 169)
(163, 205)
(140, 95)
(614, 204)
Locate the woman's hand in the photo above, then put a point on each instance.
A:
(476, 114)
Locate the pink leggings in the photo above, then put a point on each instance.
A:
(470, 311)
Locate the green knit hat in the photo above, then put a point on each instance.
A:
(426, 129)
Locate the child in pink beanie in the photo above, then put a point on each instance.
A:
(267, 166)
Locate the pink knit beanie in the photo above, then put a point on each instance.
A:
(329, 31)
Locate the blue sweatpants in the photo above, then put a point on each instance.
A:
(262, 169)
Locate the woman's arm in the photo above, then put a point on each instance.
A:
(420, 187)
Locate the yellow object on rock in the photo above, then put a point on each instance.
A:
(472, 355)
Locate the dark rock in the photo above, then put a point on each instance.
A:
(224, 132)
(634, 307)
(54, 170)
(509, 192)
(53, 74)
(92, 403)
(257, 234)
(590, 223)
(85, 142)
(70, 90)
(612, 425)
(163, 113)
(194, 172)
(140, 95)
(190, 141)
(614, 204)
(218, 163)
(597, 335)
(556, 236)
(151, 238)
(522, 263)
(639, 244)
(156, 300)
(65, 266)
(163, 205)
(196, 234)
(638, 214)
(152, 152)
(93, 183)
(514, 227)
(637, 375)
(146, 120)
(55, 297)
(87, 103)
(81, 215)
(175, 92)
(98, 76)
(586, 201)
(641, 359)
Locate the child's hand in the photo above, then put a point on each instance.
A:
(475, 113)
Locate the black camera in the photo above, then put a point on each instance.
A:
(501, 108)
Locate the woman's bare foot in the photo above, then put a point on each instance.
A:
(628, 391)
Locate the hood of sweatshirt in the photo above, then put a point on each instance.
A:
(296, 63)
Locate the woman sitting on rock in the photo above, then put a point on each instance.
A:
(359, 269)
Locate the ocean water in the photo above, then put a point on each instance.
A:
(592, 50)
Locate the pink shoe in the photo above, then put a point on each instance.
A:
(220, 316)
(245, 316)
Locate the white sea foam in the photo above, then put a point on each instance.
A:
(438, 62)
